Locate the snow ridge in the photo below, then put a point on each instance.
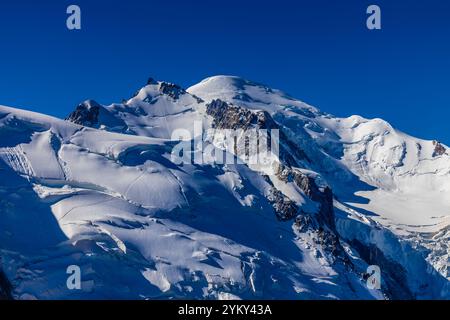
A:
(100, 190)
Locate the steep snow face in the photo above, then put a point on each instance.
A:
(410, 180)
(140, 226)
(385, 160)
(102, 191)
(397, 180)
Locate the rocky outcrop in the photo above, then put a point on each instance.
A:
(86, 113)
(323, 196)
(323, 236)
(285, 209)
(227, 116)
(92, 114)
(320, 225)
(439, 149)
(172, 90)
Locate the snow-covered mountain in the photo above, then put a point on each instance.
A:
(102, 190)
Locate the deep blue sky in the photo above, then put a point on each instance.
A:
(318, 51)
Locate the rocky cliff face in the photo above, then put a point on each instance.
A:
(172, 90)
(86, 114)
(228, 116)
(322, 223)
(439, 149)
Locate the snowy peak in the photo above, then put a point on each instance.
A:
(231, 87)
(345, 193)
(161, 89)
(155, 110)
(249, 94)
(339, 148)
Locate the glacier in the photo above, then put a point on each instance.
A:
(100, 190)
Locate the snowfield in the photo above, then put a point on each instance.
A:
(100, 191)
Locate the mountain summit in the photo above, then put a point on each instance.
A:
(102, 190)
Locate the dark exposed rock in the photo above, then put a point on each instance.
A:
(439, 149)
(86, 113)
(322, 224)
(332, 246)
(199, 100)
(227, 116)
(324, 198)
(230, 117)
(305, 222)
(285, 209)
(326, 238)
(92, 114)
(172, 90)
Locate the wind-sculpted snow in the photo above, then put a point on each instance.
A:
(102, 191)
(399, 181)
(156, 111)
(141, 227)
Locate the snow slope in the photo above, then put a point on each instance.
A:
(140, 226)
(397, 180)
(102, 191)
(392, 163)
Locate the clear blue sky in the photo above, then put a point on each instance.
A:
(318, 51)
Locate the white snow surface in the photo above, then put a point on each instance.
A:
(141, 227)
